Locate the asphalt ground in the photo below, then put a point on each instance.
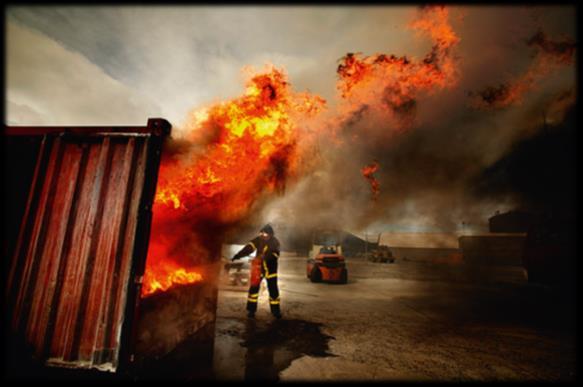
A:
(402, 321)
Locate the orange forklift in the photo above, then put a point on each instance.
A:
(326, 262)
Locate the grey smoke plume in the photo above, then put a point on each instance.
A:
(548, 56)
(429, 173)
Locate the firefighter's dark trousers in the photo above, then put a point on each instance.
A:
(260, 270)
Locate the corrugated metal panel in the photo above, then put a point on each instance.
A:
(82, 240)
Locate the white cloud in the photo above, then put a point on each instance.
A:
(50, 85)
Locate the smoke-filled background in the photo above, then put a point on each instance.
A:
(463, 111)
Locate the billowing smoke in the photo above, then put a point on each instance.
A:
(562, 51)
(539, 171)
(429, 142)
(549, 55)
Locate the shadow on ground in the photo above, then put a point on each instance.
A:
(271, 346)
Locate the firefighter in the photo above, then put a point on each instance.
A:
(264, 265)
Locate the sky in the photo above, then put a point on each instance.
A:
(120, 65)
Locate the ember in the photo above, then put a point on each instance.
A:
(367, 172)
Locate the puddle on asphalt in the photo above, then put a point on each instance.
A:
(255, 349)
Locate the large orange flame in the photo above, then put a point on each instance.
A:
(394, 81)
(252, 148)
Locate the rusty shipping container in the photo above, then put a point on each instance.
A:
(79, 250)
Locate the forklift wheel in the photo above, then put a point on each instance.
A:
(344, 277)
(316, 274)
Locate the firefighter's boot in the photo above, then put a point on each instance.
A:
(275, 310)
